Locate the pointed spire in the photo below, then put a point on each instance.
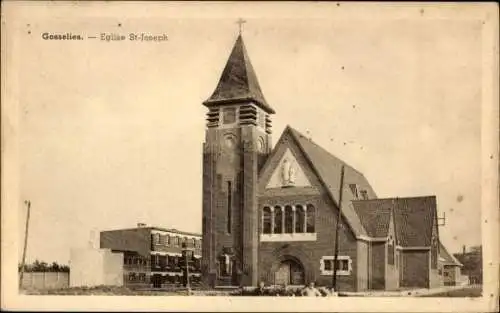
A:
(238, 81)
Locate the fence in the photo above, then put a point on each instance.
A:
(45, 280)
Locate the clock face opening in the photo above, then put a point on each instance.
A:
(260, 145)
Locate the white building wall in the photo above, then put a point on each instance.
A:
(94, 267)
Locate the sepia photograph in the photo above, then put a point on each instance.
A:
(199, 155)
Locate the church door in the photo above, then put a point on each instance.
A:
(289, 273)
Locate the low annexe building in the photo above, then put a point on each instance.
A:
(153, 255)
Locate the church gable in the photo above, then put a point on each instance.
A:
(288, 173)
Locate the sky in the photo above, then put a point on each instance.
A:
(111, 133)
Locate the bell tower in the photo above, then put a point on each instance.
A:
(237, 143)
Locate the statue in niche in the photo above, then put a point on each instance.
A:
(288, 173)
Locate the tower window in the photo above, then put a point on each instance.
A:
(229, 206)
(229, 115)
(354, 190)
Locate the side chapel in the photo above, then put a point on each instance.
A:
(269, 213)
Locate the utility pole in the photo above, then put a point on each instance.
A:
(335, 259)
(28, 205)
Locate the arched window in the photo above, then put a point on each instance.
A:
(278, 220)
(299, 219)
(225, 266)
(390, 251)
(310, 218)
(266, 220)
(288, 219)
(434, 252)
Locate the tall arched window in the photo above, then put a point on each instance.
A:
(278, 220)
(299, 219)
(266, 220)
(310, 216)
(390, 251)
(288, 219)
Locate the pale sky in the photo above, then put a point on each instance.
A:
(112, 133)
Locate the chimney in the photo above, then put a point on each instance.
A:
(463, 249)
(141, 225)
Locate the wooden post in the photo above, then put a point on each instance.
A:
(28, 205)
(335, 259)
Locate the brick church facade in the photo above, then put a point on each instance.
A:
(270, 213)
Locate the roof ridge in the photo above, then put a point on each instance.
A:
(325, 150)
(398, 198)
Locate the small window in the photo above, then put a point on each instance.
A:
(299, 219)
(156, 239)
(131, 276)
(445, 274)
(390, 252)
(225, 266)
(354, 190)
(278, 220)
(344, 266)
(288, 219)
(328, 265)
(167, 239)
(266, 220)
(310, 216)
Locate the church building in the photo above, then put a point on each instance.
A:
(270, 213)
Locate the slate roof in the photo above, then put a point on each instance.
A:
(413, 218)
(446, 257)
(328, 169)
(238, 81)
(375, 216)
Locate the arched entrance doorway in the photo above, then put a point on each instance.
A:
(289, 272)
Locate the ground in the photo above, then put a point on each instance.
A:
(470, 291)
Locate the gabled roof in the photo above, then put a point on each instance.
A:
(238, 81)
(375, 216)
(446, 257)
(328, 169)
(414, 218)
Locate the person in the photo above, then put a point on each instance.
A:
(311, 291)
(261, 291)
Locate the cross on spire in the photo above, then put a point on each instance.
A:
(240, 23)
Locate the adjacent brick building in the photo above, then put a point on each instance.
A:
(153, 255)
(270, 213)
